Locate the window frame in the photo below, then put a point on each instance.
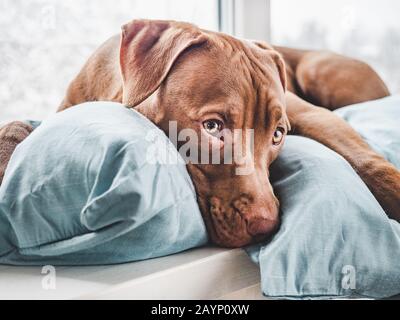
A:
(249, 19)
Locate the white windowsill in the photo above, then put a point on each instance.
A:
(206, 273)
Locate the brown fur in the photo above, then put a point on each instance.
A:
(172, 71)
(332, 81)
(11, 135)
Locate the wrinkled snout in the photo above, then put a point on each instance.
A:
(239, 219)
(262, 224)
(260, 215)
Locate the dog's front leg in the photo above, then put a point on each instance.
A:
(381, 177)
(11, 135)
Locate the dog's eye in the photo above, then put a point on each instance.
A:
(213, 126)
(278, 136)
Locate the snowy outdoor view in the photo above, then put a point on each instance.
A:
(44, 43)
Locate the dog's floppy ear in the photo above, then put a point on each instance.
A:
(148, 50)
(278, 60)
(280, 65)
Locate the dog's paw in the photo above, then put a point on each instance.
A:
(383, 179)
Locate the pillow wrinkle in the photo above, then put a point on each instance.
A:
(88, 195)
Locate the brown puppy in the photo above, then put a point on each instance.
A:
(204, 81)
(208, 82)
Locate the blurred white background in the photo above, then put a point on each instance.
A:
(364, 29)
(44, 43)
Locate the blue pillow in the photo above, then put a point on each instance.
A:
(80, 190)
(84, 189)
(335, 239)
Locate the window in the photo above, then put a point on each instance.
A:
(44, 43)
(364, 29)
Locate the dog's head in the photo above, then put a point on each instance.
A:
(230, 93)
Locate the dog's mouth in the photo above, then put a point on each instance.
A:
(229, 229)
(233, 228)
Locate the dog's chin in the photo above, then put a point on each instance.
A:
(233, 241)
(237, 243)
(228, 229)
